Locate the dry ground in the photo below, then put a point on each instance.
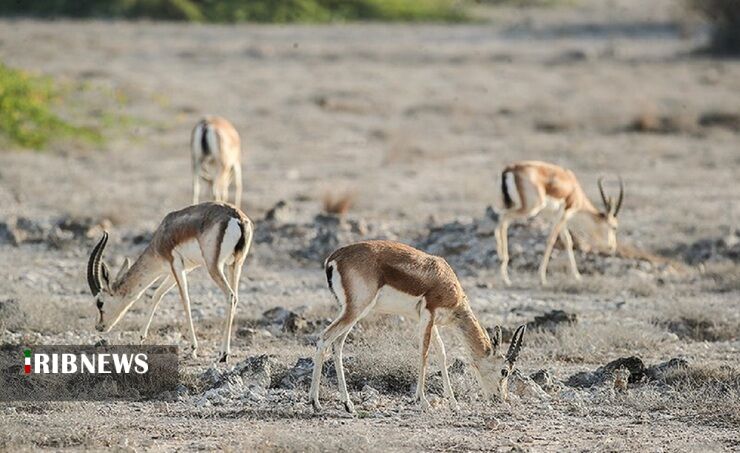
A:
(417, 121)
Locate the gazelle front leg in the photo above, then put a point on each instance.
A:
(568, 241)
(426, 324)
(180, 274)
(165, 286)
(550, 244)
(442, 356)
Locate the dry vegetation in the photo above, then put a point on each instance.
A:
(419, 121)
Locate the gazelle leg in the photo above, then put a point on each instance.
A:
(502, 248)
(339, 328)
(217, 274)
(165, 286)
(339, 366)
(178, 270)
(426, 324)
(548, 249)
(442, 357)
(238, 185)
(196, 186)
(568, 241)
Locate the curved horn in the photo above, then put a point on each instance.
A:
(516, 344)
(93, 265)
(620, 198)
(603, 195)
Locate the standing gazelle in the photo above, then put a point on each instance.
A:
(209, 234)
(528, 187)
(216, 151)
(393, 278)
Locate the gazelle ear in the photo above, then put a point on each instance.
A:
(124, 268)
(105, 274)
(496, 340)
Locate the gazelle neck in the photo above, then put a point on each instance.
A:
(474, 336)
(141, 275)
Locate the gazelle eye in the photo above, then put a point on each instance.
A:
(504, 372)
(99, 304)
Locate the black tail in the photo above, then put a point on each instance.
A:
(508, 202)
(329, 274)
(242, 242)
(204, 140)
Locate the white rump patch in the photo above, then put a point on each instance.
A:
(197, 139)
(231, 236)
(510, 182)
(336, 283)
(212, 139)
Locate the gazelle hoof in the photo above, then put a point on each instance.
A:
(224, 357)
(194, 353)
(316, 405)
(424, 404)
(349, 407)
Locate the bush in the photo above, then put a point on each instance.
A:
(280, 11)
(25, 115)
(725, 18)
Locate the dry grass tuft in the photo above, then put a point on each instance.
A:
(340, 203)
(649, 120)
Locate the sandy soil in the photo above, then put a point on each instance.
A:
(417, 122)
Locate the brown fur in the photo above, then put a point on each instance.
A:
(556, 182)
(413, 272)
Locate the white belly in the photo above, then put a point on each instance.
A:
(393, 301)
(190, 253)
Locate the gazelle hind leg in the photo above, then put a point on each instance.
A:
(339, 367)
(338, 328)
(502, 248)
(180, 274)
(238, 185)
(442, 357)
(165, 286)
(216, 271)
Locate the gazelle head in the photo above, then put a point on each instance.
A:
(111, 305)
(494, 369)
(605, 231)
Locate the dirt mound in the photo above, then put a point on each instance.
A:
(471, 246)
(55, 233)
(638, 372)
(709, 250)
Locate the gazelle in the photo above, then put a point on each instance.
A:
(393, 278)
(216, 158)
(528, 187)
(209, 234)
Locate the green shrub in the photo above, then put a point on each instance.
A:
(724, 16)
(279, 11)
(25, 115)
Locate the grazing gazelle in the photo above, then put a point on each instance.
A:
(216, 158)
(209, 234)
(393, 278)
(528, 187)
